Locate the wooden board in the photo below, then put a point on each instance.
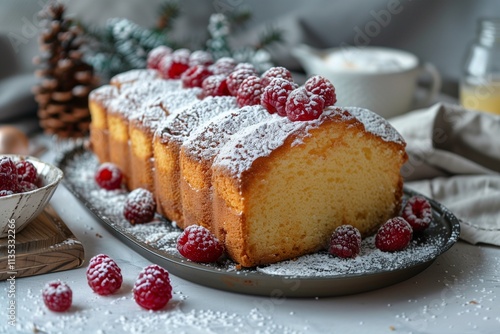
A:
(46, 245)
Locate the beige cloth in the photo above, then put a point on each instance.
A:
(454, 158)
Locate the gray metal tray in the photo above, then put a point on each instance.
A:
(78, 166)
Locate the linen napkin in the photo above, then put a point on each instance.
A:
(454, 158)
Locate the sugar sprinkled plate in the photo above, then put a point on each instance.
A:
(315, 275)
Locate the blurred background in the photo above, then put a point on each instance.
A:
(438, 32)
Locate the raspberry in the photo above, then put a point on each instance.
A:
(345, 242)
(235, 78)
(250, 91)
(194, 76)
(323, 87)
(275, 95)
(103, 275)
(26, 171)
(418, 213)
(215, 85)
(6, 193)
(152, 290)
(173, 65)
(139, 207)
(57, 296)
(25, 186)
(394, 235)
(224, 65)
(303, 106)
(109, 176)
(276, 72)
(8, 175)
(156, 55)
(245, 66)
(200, 57)
(198, 244)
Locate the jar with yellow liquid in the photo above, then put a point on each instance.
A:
(480, 85)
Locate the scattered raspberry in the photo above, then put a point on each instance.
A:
(345, 242)
(57, 296)
(215, 85)
(250, 91)
(200, 57)
(103, 275)
(235, 78)
(108, 176)
(152, 290)
(26, 171)
(194, 76)
(323, 87)
(8, 175)
(173, 65)
(394, 235)
(6, 193)
(303, 106)
(418, 213)
(25, 186)
(198, 244)
(156, 55)
(276, 72)
(275, 95)
(224, 65)
(139, 207)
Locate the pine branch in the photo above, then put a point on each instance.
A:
(270, 36)
(238, 19)
(169, 10)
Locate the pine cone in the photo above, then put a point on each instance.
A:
(65, 79)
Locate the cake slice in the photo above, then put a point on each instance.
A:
(196, 157)
(99, 100)
(166, 147)
(142, 126)
(132, 76)
(281, 187)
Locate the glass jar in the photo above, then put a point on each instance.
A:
(480, 84)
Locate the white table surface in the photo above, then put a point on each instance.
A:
(458, 293)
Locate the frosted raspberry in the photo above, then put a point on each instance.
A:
(25, 186)
(418, 213)
(323, 87)
(6, 193)
(156, 55)
(245, 66)
(250, 91)
(235, 78)
(103, 275)
(8, 175)
(173, 65)
(57, 296)
(394, 235)
(224, 65)
(276, 72)
(200, 57)
(303, 106)
(139, 207)
(152, 290)
(198, 244)
(108, 176)
(215, 85)
(26, 171)
(194, 76)
(275, 95)
(345, 242)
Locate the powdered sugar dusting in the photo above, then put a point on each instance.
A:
(206, 140)
(376, 124)
(134, 75)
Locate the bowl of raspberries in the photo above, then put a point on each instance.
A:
(26, 186)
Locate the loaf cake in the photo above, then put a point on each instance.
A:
(269, 187)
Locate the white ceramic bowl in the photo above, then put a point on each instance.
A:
(20, 209)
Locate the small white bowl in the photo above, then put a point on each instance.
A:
(20, 209)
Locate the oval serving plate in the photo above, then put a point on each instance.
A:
(316, 275)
